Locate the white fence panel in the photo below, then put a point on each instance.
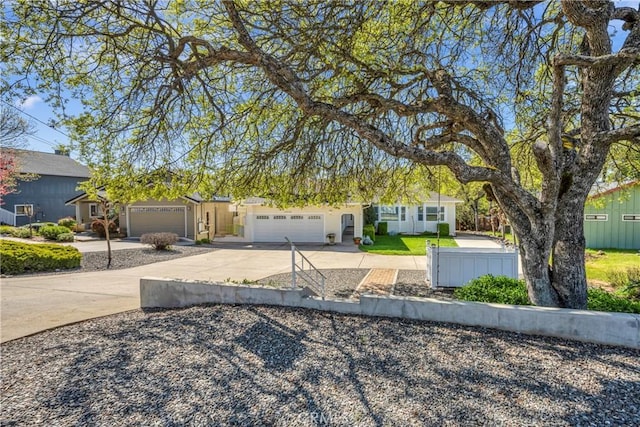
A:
(455, 267)
(7, 217)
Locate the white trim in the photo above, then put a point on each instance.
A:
(184, 208)
(635, 219)
(15, 211)
(596, 217)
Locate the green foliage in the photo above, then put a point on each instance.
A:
(504, 290)
(67, 222)
(382, 228)
(97, 227)
(204, 241)
(51, 232)
(494, 289)
(159, 241)
(22, 232)
(604, 265)
(6, 229)
(17, 257)
(369, 230)
(66, 237)
(601, 300)
(369, 215)
(626, 282)
(443, 228)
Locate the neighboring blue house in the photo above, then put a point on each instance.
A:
(612, 218)
(58, 177)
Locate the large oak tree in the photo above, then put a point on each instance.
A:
(322, 100)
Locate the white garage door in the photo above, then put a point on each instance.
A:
(157, 219)
(297, 227)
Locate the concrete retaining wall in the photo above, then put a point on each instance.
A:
(592, 326)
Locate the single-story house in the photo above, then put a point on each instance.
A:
(190, 216)
(55, 179)
(419, 217)
(612, 218)
(257, 221)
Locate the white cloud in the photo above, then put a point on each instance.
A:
(29, 102)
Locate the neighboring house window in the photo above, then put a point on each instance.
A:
(279, 217)
(388, 213)
(262, 217)
(95, 210)
(420, 213)
(596, 217)
(631, 217)
(403, 213)
(432, 213)
(315, 217)
(23, 210)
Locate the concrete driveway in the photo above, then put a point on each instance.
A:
(34, 303)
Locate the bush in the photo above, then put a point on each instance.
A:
(68, 222)
(66, 237)
(601, 300)
(443, 228)
(626, 282)
(6, 229)
(23, 232)
(369, 230)
(496, 289)
(204, 241)
(97, 227)
(17, 257)
(382, 228)
(159, 241)
(504, 290)
(51, 232)
(369, 215)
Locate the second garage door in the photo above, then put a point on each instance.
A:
(297, 227)
(157, 219)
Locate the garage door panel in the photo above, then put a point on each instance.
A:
(297, 227)
(157, 219)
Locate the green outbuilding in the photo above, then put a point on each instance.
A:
(612, 218)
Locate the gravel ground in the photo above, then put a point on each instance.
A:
(128, 258)
(257, 366)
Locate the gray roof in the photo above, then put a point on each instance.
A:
(49, 164)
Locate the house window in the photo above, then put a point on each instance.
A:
(315, 217)
(262, 217)
(631, 217)
(279, 217)
(23, 210)
(432, 214)
(403, 213)
(297, 217)
(388, 213)
(95, 210)
(596, 217)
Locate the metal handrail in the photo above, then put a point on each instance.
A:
(298, 270)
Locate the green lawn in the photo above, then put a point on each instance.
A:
(405, 245)
(599, 267)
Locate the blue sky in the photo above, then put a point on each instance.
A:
(47, 137)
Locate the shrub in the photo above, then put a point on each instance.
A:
(204, 241)
(370, 216)
(443, 228)
(51, 232)
(496, 289)
(159, 241)
(97, 227)
(369, 230)
(18, 257)
(382, 228)
(22, 232)
(6, 229)
(66, 237)
(626, 282)
(601, 300)
(68, 222)
(504, 290)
